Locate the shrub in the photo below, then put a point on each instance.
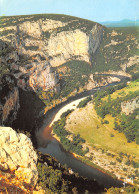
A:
(106, 122)
(119, 160)
(112, 135)
(135, 164)
(84, 102)
(112, 163)
(65, 114)
(124, 169)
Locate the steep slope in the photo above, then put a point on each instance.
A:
(52, 57)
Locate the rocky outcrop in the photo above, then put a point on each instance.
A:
(95, 37)
(129, 106)
(43, 43)
(35, 73)
(98, 80)
(43, 77)
(17, 155)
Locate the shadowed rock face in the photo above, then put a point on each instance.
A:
(9, 101)
(17, 155)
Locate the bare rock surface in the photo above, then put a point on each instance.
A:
(17, 154)
(129, 106)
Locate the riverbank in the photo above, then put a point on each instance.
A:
(71, 106)
(85, 161)
(107, 148)
(108, 165)
(97, 165)
(54, 148)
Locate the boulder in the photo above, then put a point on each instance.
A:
(17, 155)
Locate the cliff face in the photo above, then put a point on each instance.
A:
(75, 44)
(43, 77)
(9, 101)
(60, 41)
(31, 73)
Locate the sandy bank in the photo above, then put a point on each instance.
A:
(71, 105)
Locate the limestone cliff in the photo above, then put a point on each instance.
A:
(59, 41)
(17, 155)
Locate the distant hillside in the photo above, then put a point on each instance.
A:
(122, 23)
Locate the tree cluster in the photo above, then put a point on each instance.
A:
(74, 145)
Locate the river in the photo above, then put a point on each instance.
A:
(49, 145)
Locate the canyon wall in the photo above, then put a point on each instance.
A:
(58, 41)
(9, 101)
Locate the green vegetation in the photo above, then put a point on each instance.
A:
(3, 70)
(34, 48)
(6, 32)
(135, 76)
(51, 179)
(54, 178)
(109, 90)
(127, 190)
(111, 56)
(65, 114)
(77, 75)
(74, 145)
(129, 125)
(72, 22)
(79, 71)
(93, 128)
(113, 107)
(46, 34)
(84, 102)
(6, 50)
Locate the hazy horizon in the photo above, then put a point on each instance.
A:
(95, 10)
